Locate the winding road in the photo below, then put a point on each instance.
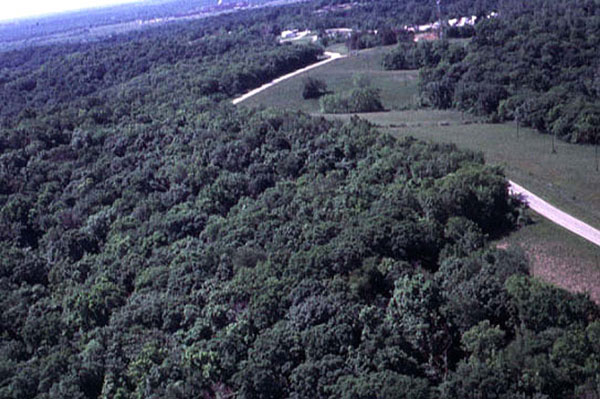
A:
(331, 57)
(556, 215)
(533, 201)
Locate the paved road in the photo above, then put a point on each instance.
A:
(556, 215)
(332, 57)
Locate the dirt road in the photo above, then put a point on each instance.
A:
(332, 57)
(556, 215)
(536, 203)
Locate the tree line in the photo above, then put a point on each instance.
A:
(535, 63)
(157, 241)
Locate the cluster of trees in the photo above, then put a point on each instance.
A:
(535, 63)
(220, 64)
(362, 98)
(157, 241)
(359, 99)
(264, 254)
(423, 54)
(313, 88)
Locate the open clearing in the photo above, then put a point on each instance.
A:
(330, 57)
(567, 179)
(339, 76)
(558, 256)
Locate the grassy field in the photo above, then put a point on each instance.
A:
(567, 178)
(338, 48)
(339, 76)
(557, 256)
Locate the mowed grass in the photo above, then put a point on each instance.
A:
(398, 88)
(558, 256)
(567, 178)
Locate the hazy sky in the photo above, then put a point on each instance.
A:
(25, 8)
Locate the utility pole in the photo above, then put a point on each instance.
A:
(516, 114)
(597, 139)
(439, 14)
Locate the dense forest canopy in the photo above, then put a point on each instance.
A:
(157, 241)
(536, 63)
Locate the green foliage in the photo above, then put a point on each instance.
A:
(553, 307)
(386, 385)
(158, 242)
(423, 54)
(358, 100)
(534, 63)
(483, 341)
(313, 88)
(414, 308)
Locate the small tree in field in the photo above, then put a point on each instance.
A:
(313, 88)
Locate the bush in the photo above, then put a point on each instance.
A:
(359, 100)
(313, 88)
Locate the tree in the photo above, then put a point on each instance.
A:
(414, 308)
(313, 88)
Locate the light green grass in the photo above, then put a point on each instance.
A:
(398, 88)
(567, 179)
(410, 118)
(338, 48)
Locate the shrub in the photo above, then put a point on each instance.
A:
(359, 100)
(313, 88)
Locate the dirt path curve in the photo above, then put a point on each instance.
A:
(536, 203)
(556, 215)
(331, 57)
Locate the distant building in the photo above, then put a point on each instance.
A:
(429, 36)
(337, 32)
(464, 21)
(289, 34)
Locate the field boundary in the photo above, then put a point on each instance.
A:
(537, 204)
(555, 215)
(331, 57)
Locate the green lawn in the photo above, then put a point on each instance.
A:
(398, 88)
(567, 179)
(338, 48)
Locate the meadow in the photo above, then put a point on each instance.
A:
(339, 77)
(567, 178)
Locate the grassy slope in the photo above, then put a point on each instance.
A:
(339, 77)
(559, 256)
(567, 179)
